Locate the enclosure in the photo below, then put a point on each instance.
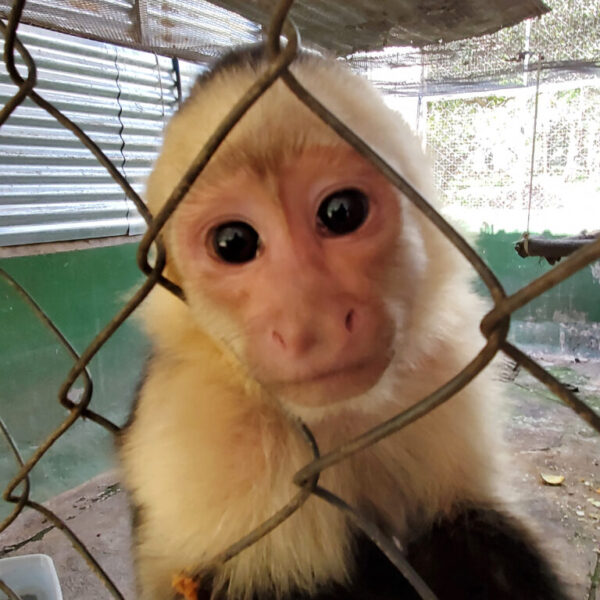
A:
(506, 98)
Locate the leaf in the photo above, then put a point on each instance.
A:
(552, 479)
(593, 502)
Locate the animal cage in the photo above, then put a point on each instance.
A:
(444, 64)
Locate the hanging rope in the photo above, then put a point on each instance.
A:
(532, 164)
(550, 249)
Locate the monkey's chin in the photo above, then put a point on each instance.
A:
(331, 387)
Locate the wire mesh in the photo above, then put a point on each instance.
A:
(494, 326)
(566, 40)
(568, 35)
(482, 147)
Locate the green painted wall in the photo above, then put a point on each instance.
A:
(566, 319)
(80, 291)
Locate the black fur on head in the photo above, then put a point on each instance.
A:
(250, 55)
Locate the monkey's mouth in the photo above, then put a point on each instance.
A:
(324, 375)
(332, 385)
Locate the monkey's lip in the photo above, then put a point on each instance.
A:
(338, 382)
(344, 371)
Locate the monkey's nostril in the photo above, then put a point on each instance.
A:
(277, 338)
(350, 320)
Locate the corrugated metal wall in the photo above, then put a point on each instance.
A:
(51, 187)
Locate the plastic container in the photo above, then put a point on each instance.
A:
(32, 577)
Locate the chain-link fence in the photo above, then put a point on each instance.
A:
(494, 326)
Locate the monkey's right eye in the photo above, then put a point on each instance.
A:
(343, 211)
(235, 242)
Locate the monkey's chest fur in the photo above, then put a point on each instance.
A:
(204, 478)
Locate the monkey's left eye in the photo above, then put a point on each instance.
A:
(343, 211)
(235, 242)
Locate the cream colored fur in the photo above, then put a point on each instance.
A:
(210, 455)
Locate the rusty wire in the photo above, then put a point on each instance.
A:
(10, 594)
(23, 500)
(494, 326)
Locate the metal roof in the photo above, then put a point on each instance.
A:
(193, 29)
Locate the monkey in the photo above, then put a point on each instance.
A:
(314, 291)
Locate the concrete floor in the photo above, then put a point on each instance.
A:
(544, 437)
(97, 512)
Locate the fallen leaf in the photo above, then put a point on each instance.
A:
(595, 503)
(552, 479)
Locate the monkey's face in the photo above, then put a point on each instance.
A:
(289, 266)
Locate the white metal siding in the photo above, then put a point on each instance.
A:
(51, 187)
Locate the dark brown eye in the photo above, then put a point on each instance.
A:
(343, 211)
(235, 242)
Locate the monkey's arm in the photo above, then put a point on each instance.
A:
(483, 554)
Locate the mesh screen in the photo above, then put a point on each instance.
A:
(482, 146)
(565, 41)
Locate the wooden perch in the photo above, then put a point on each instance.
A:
(553, 249)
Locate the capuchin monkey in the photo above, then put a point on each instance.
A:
(314, 290)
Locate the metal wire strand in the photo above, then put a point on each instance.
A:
(23, 501)
(495, 325)
(260, 86)
(24, 497)
(382, 541)
(10, 594)
(77, 410)
(308, 488)
(579, 407)
(9, 44)
(486, 274)
(26, 89)
(575, 262)
(410, 415)
(48, 323)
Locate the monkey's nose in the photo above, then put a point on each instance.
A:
(349, 321)
(278, 339)
(326, 333)
(295, 341)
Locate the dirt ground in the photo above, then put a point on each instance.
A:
(548, 439)
(545, 438)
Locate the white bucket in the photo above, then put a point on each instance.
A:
(32, 577)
